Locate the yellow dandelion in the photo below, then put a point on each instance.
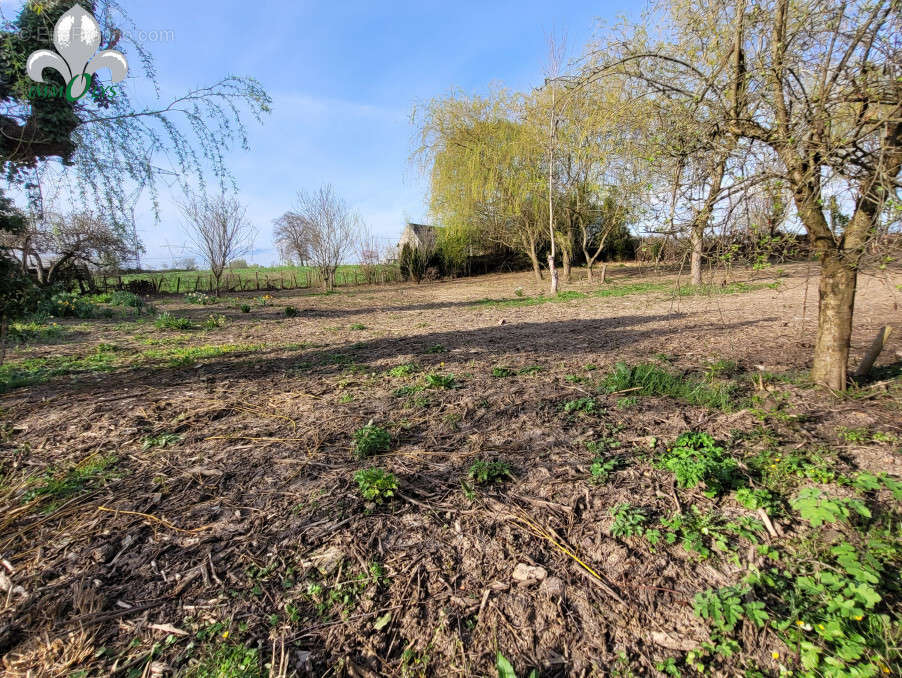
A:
(800, 623)
(225, 635)
(859, 617)
(820, 626)
(775, 655)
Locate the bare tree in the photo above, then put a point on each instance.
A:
(330, 229)
(57, 243)
(291, 236)
(218, 230)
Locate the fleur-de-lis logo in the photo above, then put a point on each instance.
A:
(76, 37)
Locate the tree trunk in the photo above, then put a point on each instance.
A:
(696, 237)
(552, 269)
(834, 327)
(4, 330)
(589, 265)
(565, 257)
(534, 258)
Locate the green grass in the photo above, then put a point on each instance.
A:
(36, 331)
(32, 371)
(649, 379)
(276, 275)
(167, 321)
(182, 357)
(57, 486)
(572, 295)
(732, 288)
(227, 661)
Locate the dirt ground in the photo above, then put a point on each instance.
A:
(226, 524)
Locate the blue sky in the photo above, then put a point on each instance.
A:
(344, 77)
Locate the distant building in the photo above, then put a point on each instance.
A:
(418, 236)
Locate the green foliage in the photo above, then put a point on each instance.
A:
(227, 661)
(162, 440)
(586, 405)
(696, 458)
(357, 327)
(506, 669)
(629, 521)
(291, 312)
(67, 305)
(60, 485)
(371, 440)
(35, 330)
(757, 499)
(818, 508)
(214, 321)
(702, 532)
(437, 348)
(118, 298)
(376, 484)
(404, 370)
(483, 472)
(38, 370)
(649, 379)
(602, 468)
(201, 298)
(572, 295)
(245, 308)
(500, 372)
(829, 607)
(189, 355)
(440, 381)
(724, 608)
(167, 321)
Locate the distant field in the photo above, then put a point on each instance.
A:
(251, 278)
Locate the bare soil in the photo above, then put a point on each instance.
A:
(243, 524)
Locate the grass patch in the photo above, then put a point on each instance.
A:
(61, 485)
(182, 357)
(34, 371)
(732, 288)
(167, 321)
(227, 661)
(572, 295)
(649, 379)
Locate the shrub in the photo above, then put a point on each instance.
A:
(67, 305)
(371, 440)
(484, 472)
(167, 321)
(245, 308)
(376, 485)
(291, 312)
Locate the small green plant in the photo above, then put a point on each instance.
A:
(818, 508)
(57, 486)
(627, 403)
(854, 436)
(214, 321)
(403, 370)
(695, 458)
(227, 661)
(162, 440)
(376, 485)
(167, 321)
(440, 381)
(371, 440)
(437, 348)
(602, 468)
(357, 327)
(506, 669)
(757, 499)
(518, 292)
(484, 472)
(201, 298)
(291, 312)
(500, 372)
(585, 405)
(245, 308)
(669, 667)
(724, 608)
(629, 521)
(702, 532)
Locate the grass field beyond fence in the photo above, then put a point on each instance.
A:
(254, 278)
